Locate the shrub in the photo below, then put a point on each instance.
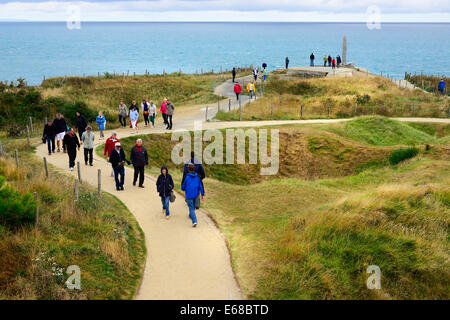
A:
(15, 209)
(69, 110)
(403, 154)
(14, 130)
(362, 99)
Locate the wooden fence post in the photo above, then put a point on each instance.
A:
(229, 107)
(46, 167)
(99, 182)
(28, 135)
(17, 157)
(31, 125)
(218, 105)
(79, 171)
(271, 111)
(206, 114)
(301, 112)
(76, 190)
(356, 107)
(36, 217)
(329, 110)
(240, 110)
(1, 149)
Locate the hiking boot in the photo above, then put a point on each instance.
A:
(141, 186)
(194, 225)
(134, 183)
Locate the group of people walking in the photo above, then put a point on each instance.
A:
(149, 112)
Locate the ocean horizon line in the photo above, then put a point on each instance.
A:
(231, 22)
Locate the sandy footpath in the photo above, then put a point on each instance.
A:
(182, 262)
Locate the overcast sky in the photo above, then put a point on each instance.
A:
(231, 10)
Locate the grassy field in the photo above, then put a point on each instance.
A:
(99, 235)
(311, 233)
(340, 97)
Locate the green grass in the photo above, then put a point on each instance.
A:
(380, 131)
(99, 235)
(314, 237)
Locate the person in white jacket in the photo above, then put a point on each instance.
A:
(152, 112)
(134, 116)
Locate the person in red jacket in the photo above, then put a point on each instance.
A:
(163, 111)
(237, 90)
(109, 146)
(333, 63)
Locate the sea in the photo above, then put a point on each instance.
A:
(34, 50)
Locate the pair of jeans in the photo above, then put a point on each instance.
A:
(146, 120)
(120, 171)
(139, 171)
(72, 152)
(80, 133)
(164, 115)
(50, 141)
(88, 155)
(237, 96)
(169, 122)
(312, 63)
(191, 206)
(101, 134)
(165, 204)
(250, 94)
(123, 120)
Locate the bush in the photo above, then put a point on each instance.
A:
(362, 99)
(69, 110)
(14, 130)
(15, 209)
(403, 154)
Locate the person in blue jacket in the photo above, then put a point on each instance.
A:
(192, 186)
(101, 122)
(441, 86)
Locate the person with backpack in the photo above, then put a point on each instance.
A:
(101, 123)
(192, 186)
(251, 89)
(164, 186)
(199, 170)
(81, 124)
(152, 112)
(237, 90)
(88, 144)
(49, 136)
(117, 160)
(123, 114)
(139, 159)
(170, 109)
(311, 58)
(61, 128)
(233, 73)
(71, 143)
(134, 116)
(144, 106)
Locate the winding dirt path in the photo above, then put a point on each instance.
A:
(182, 262)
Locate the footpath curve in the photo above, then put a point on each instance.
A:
(182, 262)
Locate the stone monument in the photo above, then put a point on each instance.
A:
(344, 51)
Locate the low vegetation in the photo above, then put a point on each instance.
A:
(97, 234)
(311, 233)
(428, 82)
(340, 97)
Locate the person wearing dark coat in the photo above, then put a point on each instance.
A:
(164, 186)
(311, 58)
(233, 73)
(81, 124)
(287, 63)
(118, 159)
(71, 143)
(329, 60)
(49, 136)
(139, 159)
(199, 169)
